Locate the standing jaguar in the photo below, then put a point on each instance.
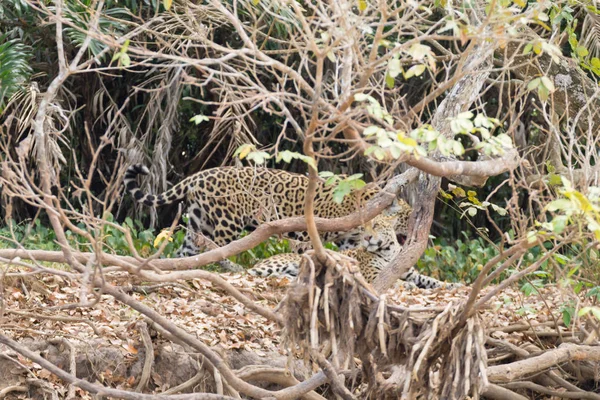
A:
(224, 201)
(378, 247)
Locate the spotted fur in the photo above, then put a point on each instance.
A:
(224, 201)
(377, 249)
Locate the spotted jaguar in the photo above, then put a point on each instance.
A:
(378, 247)
(224, 201)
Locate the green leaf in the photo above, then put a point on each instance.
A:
(197, 119)
(528, 289)
(548, 84)
(567, 315)
(586, 310)
(527, 49)
(331, 181)
(554, 180)
(415, 70)
(286, 156)
(125, 60)
(370, 150)
(167, 4)
(361, 97)
(379, 153)
(357, 184)
(501, 211)
(533, 84)
(395, 151)
(342, 189)
(559, 224)
(458, 148)
(390, 82)
(560, 205)
(581, 51)
(354, 177)
(371, 130)
(419, 51)
(326, 174)
(259, 157)
(394, 67)
(308, 160)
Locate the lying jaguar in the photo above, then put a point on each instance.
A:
(378, 247)
(224, 201)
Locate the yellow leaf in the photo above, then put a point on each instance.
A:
(580, 199)
(165, 234)
(167, 4)
(408, 141)
(362, 5)
(445, 195)
(245, 151)
(459, 192)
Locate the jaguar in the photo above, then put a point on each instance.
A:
(378, 247)
(225, 201)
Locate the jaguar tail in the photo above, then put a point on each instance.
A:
(176, 193)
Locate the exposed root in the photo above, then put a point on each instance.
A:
(402, 352)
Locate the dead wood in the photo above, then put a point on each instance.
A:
(439, 358)
(565, 352)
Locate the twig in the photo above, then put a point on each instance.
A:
(148, 357)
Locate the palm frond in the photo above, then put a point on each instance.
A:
(14, 68)
(590, 34)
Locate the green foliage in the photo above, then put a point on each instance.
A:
(14, 67)
(80, 14)
(575, 208)
(264, 250)
(145, 241)
(40, 237)
(458, 261)
(33, 236)
(343, 185)
(249, 151)
(568, 311)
